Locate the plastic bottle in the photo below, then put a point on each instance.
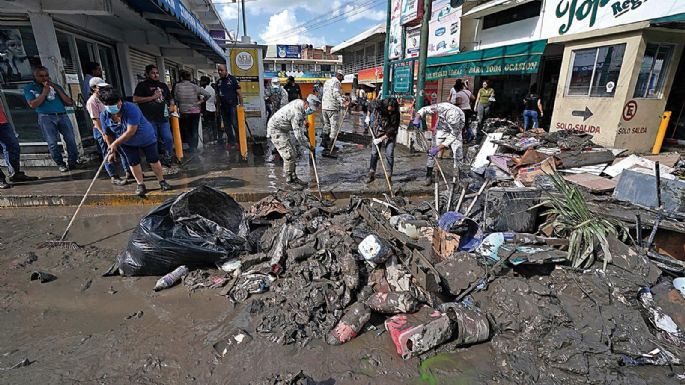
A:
(373, 249)
(350, 324)
(171, 279)
(393, 302)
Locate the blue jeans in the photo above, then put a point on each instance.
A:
(389, 154)
(10, 148)
(527, 115)
(111, 168)
(163, 132)
(229, 115)
(52, 126)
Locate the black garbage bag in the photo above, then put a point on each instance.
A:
(196, 229)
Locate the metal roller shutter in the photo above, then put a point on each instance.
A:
(139, 60)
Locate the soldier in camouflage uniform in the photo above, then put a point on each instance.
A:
(333, 100)
(448, 134)
(290, 121)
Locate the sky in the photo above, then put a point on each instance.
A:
(315, 22)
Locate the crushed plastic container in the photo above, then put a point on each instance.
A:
(171, 279)
(350, 324)
(393, 302)
(420, 332)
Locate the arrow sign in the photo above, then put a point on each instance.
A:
(587, 114)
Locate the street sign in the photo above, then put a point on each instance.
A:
(587, 114)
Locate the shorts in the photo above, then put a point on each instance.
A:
(132, 153)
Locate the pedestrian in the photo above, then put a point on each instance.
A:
(91, 70)
(209, 109)
(287, 122)
(332, 102)
(447, 134)
(386, 123)
(318, 89)
(531, 106)
(188, 97)
(95, 108)
(277, 98)
(486, 96)
(293, 89)
(129, 131)
(229, 99)
(50, 102)
(154, 99)
(12, 153)
(462, 99)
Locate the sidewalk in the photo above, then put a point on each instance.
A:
(244, 180)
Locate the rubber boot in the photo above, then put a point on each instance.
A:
(429, 176)
(293, 182)
(370, 177)
(325, 142)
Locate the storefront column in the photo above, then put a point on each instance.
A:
(161, 66)
(51, 58)
(127, 80)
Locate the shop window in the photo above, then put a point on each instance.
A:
(268, 66)
(325, 67)
(595, 71)
(653, 72)
(522, 12)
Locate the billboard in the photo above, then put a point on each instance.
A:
(395, 46)
(413, 42)
(288, 51)
(444, 29)
(412, 12)
(245, 67)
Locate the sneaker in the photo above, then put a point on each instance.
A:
(19, 176)
(3, 183)
(165, 186)
(63, 168)
(141, 190)
(118, 181)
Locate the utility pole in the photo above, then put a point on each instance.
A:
(244, 22)
(386, 61)
(423, 53)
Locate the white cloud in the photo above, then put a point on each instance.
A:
(228, 12)
(357, 13)
(280, 31)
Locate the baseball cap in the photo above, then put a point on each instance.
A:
(313, 100)
(97, 81)
(339, 72)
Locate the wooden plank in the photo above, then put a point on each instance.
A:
(588, 158)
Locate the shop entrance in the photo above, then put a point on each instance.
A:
(676, 104)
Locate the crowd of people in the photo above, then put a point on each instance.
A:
(125, 129)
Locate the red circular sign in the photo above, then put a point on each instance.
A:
(629, 110)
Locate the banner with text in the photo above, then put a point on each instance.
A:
(395, 46)
(245, 67)
(444, 27)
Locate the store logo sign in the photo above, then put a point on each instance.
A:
(244, 61)
(579, 10)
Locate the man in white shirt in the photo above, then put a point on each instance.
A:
(209, 110)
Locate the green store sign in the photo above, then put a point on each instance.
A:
(501, 66)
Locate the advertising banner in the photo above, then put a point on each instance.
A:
(371, 75)
(403, 77)
(395, 46)
(564, 17)
(412, 12)
(245, 67)
(518, 65)
(444, 29)
(289, 51)
(413, 43)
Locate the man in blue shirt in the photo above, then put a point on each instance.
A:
(49, 101)
(229, 98)
(129, 132)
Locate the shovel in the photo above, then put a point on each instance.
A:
(342, 120)
(380, 157)
(316, 173)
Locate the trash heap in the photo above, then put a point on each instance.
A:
(557, 278)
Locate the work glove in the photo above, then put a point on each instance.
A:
(367, 120)
(434, 151)
(378, 141)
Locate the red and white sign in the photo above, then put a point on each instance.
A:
(629, 110)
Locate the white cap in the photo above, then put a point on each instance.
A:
(275, 81)
(97, 81)
(313, 100)
(340, 72)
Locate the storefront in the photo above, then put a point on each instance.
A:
(122, 37)
(617, 71)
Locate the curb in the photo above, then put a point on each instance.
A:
(155, 198)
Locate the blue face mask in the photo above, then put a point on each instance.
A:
(309, 111)
(112, 109)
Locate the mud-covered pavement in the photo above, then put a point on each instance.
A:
(84, 328)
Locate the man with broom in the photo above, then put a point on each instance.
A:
(386, 123)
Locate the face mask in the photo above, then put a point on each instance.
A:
(112, 109)
(275, 88)
(309, 111)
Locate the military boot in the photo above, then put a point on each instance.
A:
(294, 182)
(429, 176)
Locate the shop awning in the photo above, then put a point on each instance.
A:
(493, 7)
(177, 20)
(516, 59)
(668, 20)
